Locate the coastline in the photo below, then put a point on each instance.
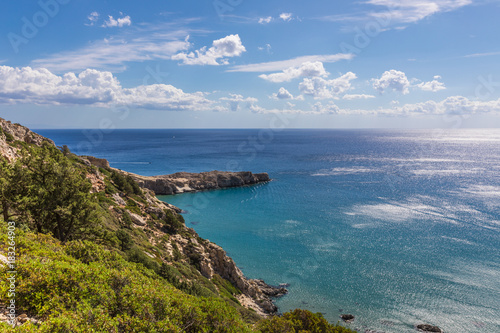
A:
(256, 294)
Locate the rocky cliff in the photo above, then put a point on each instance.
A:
(10, 132)
(181, 182)
(148, 213)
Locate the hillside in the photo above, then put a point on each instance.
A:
(95, 252)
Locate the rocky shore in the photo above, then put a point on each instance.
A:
(182, 182)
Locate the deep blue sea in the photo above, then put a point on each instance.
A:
(397, 227)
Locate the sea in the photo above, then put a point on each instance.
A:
(396, 227)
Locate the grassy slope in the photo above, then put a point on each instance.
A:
(109, 284)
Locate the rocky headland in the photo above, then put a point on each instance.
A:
(213, 260)
(182, 182)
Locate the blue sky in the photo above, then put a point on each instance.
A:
(250, 64)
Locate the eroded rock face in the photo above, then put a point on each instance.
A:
(137, 219)
(181, 182)
(217, 262)
(98, 162)
(16, 132)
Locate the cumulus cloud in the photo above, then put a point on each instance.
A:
(265, 20)
(357, 96)
(321, 88)
(235, 100)
(450, 105)
(453, 105)
(120, 22)
(307, 69)
(433, 85)
(392, 80)
(330, 108)
(90, 87)
(92, 18)
(285, 94)
(227, 47)
(286, 16)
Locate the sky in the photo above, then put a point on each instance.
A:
(250, 64)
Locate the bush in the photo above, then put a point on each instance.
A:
(133, 207)
(172, 222)
(303, 321)
(138, 256)
(125, 239)
(126, 220)
(81, 287)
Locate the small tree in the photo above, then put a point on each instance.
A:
(53, 191)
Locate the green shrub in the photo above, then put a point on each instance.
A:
(138, 256)
(8, 137)
(82, 287)
(303, 321)
(125, 239)
(126, 220)
(133, 207)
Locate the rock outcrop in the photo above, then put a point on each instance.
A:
(215, 261)
(429, 328)
(10, 132)
(181, 182)
(348, 318)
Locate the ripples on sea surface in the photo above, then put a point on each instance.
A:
(395, 227)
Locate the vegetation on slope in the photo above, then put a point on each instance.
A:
(85, 263)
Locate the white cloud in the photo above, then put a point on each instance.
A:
(285, 94)
(91, 87)
(93, 17)
(229, 46)
(234, 101)
(357, 96)
(265, 20)
(267, 48)
(330, 108)
(120, 22)
(450, 105)
(321, 88)
(307, 69)
(486, 54)
(433, 85)
(286, 16)
(392, 80)
(147, 43)
(408, 11)
(398, 12)
(273, 66)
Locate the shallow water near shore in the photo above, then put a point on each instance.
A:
(395, 227)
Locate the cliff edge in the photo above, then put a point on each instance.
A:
(182, 182)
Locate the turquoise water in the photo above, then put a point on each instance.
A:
(395, 227)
